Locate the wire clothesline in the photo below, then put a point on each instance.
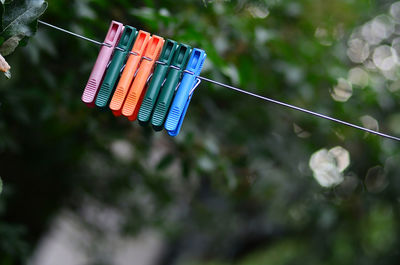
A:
(249, 93)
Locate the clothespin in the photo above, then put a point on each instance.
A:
(136, 93)
(128, 73)
(185, 91)
(170, 85)
(113, 71)
(106, 51)
(156, 81)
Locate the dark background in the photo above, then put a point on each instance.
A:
(235, 186)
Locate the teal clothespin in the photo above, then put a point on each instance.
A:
(113, 71)
(156, 82)
(168, 89)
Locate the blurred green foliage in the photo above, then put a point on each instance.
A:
(235, 186)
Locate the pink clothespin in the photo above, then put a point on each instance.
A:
(104, 57)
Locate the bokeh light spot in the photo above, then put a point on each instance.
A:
(327, 166)
(342, 91)
(358, 77)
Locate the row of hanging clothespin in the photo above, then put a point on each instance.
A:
(144, 77)
(157, 100)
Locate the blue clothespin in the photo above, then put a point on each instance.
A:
(185, 91)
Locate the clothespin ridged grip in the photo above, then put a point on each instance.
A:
(106, 51)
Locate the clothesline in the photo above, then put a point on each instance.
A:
(250, 93)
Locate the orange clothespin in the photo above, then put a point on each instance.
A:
(129, 71)
(137, 91)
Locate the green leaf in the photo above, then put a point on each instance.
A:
(10, 45)
(20, 18)
(1, 185)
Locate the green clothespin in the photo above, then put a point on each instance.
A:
(156, 82)
(167, 92)
(120, 54)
